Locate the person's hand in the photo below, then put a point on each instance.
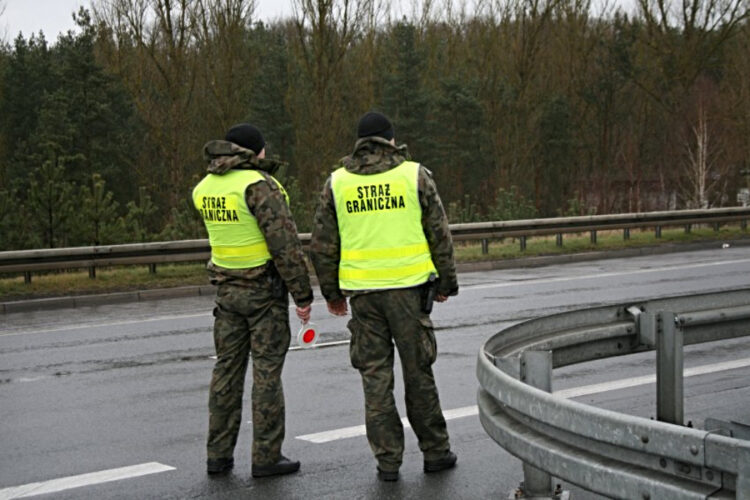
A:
(440, 298)
(338, 307)
(303, 313)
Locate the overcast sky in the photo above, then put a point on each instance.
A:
(55, 16)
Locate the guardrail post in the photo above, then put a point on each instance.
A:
(559, 239)
(657, 232)
(717, 226)
(669, 369)
(485, 246)
(743, 473)
(523, 243)
(626, 233)
(593, 236)
(92, 272)
(645, 322)
(27, 277)
(152, 268)
(743, 225)
(536, 371)
(688, 228)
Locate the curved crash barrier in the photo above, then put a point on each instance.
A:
(610, 453)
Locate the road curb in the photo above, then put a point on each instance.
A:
(462, 267)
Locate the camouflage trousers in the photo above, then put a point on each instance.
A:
(378, 320)
(249, 321)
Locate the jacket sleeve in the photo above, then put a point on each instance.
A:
(266, 202)
(437, 232)
(326, 244)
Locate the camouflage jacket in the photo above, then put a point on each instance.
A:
(267, 204)
(373, 155)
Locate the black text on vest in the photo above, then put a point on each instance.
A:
(214, 209)
(374, 197)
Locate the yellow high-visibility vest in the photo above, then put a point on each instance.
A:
(380, 225)
(236, 240)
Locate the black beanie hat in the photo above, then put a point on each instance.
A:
(374, 123)
(247, 136)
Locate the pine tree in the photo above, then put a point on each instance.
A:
(100, 114)
(139, 223)
(97, 214)
(552, 179)
(15, 231)
(27, 78)
(50, 203)
(185, 223)
(51, 193)
(267, 91)
(405, 98)
(461, 141)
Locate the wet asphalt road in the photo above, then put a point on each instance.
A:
(90, 389)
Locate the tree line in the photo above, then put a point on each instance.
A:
(520, 108)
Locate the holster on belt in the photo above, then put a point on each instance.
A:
(429, 290)
(278, 287)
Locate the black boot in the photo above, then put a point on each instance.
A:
(215, 466)
(447, 461)
(283, 466)
(387, 475)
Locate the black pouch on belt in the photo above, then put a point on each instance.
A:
(278, 287)
(429, 290)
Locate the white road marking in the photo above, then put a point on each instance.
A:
(320, 345)
(574, 392)
(33, 379)
(299, 348)
(359, 430)
(70, 482)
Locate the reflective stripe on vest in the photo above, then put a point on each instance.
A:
(236, 240)
(380, 224)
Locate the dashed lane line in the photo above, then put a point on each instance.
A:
(92, 478)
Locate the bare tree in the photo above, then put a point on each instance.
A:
(221, 27)
(156, 58)
(703, 172)
(326, 32)
(703, 27)
(698, 164)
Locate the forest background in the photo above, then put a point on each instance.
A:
(521, 108)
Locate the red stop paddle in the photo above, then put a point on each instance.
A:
(307, 336)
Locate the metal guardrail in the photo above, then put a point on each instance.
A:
(603, 451)
(151, 254)
(523, 229)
